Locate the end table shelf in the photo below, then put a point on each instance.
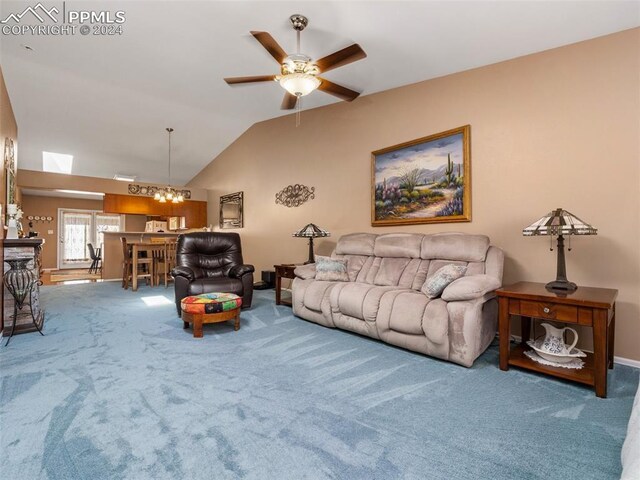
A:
(585, 375)
(587, 306)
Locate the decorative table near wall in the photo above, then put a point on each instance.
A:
(588, 306)
(20, 255)
(283, 271)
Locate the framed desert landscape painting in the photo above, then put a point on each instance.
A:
(427, 180)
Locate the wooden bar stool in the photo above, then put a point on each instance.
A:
(165, 261)
(145, 266)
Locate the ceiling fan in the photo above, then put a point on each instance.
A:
(299, 74)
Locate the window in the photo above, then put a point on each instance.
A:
(57, 162)
(106, 222)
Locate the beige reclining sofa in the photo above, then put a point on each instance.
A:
(383, 297)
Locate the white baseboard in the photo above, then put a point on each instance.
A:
(620, 360)
(627, 361)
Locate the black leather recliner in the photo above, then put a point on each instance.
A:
(209, 262)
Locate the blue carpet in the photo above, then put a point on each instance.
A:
(117, 389)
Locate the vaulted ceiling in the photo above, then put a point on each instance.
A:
(107, 99)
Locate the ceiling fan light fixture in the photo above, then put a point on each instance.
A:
(299, 84)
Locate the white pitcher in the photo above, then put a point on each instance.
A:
(554, 340)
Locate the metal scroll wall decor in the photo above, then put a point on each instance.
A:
(295, 195)
(150, 190)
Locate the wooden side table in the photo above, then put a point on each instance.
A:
(593, 307)
(283, 271)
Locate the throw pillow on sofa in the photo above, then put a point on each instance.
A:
(331, 269)
(436, 283)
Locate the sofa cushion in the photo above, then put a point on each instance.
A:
(435, 284)
(406, 313)
(356, 244)
(426, 330)
(455, 246)
(315, 293)
(390, 271)
(355, 264)
(406, 245)
(369, 271)
(358, 300)
(331, 269)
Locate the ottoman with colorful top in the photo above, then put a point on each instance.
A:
(210, 308)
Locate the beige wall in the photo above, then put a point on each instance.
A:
(50, 181)
(555, 129)
(8, 128)
(48, 206)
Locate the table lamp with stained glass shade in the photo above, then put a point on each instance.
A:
(311, 231)
(559, 223)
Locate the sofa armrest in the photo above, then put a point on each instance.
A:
(238, 271)
(190, 273)
(306, 272)
(470, 287)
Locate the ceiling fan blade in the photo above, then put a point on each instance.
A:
(257, 78)
(342, 57)
(267, 41)
(338, 90)
(289, 101)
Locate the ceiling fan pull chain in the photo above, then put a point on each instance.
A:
(298, 107)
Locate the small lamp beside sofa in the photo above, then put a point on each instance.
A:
(381, 295)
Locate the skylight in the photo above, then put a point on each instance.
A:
(124, 178)
(57, 162)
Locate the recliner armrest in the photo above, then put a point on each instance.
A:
(306, 272)
(238, 271)
(470, 287)
(190, 273)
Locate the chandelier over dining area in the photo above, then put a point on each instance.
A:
(168, 193)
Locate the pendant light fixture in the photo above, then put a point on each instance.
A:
(169, 194)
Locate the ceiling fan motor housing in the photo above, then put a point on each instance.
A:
(298, 63)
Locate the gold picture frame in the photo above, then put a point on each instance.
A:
(427, 180)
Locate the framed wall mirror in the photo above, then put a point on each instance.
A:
(231, 210)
